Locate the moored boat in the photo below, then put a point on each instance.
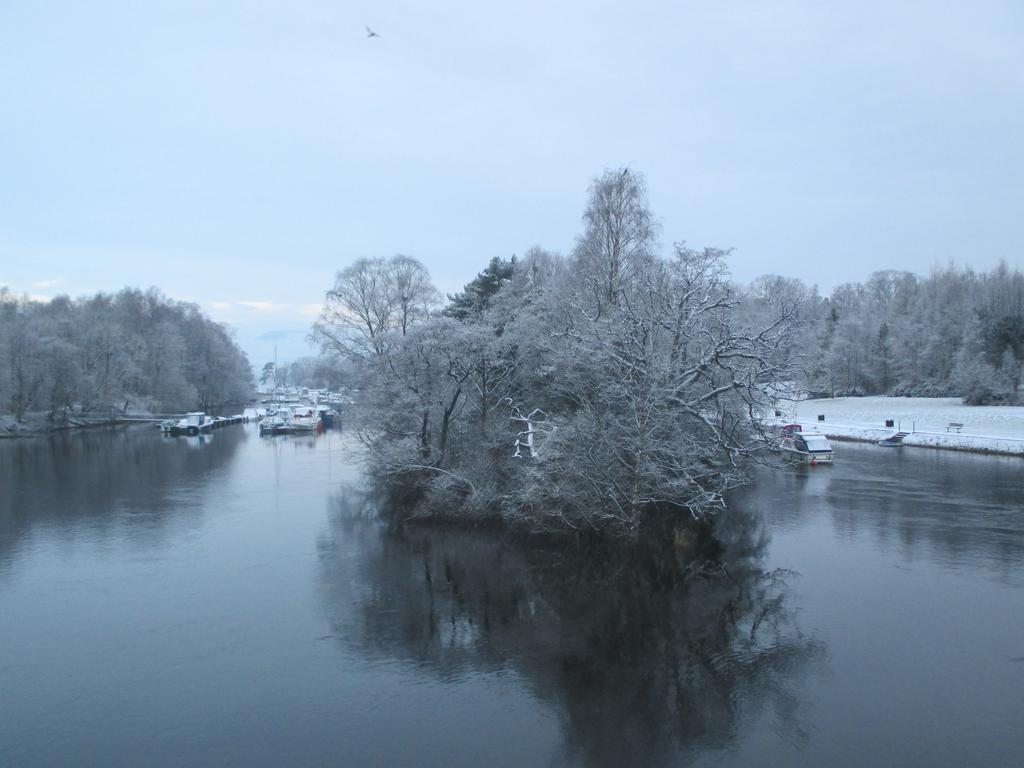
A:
(274, 422)
(305, 418)
(805, 448)
(294, 419)
(328, 416)
(193, 424)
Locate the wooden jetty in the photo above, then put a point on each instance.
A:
(894, 441)
(199, 423)
(194, 423)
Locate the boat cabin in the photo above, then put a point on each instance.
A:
(811, 449)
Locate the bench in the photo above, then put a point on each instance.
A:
(955, 425)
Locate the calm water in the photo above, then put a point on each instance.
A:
(171, 602)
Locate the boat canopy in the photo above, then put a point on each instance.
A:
(817, 443)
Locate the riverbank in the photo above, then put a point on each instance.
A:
(40, 424)
(984, 429)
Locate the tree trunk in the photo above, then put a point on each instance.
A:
(445, 424)
(425, 436)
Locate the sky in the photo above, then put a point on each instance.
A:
(238, 154)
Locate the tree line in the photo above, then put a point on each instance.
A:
(132, 349)
(315, 372)
(954, 333)
(594, 392)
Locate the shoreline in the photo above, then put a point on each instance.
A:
(14, 430)
(987, 445)
(931, 422)
(959, 449)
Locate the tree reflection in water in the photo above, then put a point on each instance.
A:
(644, 656)
(101, 478)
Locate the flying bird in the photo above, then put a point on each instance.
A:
(371, 33)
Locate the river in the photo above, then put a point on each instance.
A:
(234, 601)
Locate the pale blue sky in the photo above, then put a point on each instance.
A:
(238, 153)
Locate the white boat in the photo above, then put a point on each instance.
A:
(807, 448)
(305, 418)
(253, 413)
(293, 419)
(274, 422)
(193, 424)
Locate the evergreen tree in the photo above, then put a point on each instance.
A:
(477, 295)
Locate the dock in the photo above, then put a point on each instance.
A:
(199, 423)
(194, 423)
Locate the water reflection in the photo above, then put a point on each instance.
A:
(88, 478)
(953, 509)
(643, 660)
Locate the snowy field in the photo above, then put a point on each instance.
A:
(998, 429)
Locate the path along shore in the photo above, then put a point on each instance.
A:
(930, 422)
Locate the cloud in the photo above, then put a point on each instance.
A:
(39, 297)
(44, 284)
(280, 335)
(262, 306)
(306, 310)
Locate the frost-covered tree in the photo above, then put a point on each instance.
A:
(898, 333)
(428, 381)
(583, 394)
(619, 234)
(268, 374)
(1009, 377)
(357, 310)
(658, 400)
(132, 348)
(369, 298)
(412, 292)
(476, 297)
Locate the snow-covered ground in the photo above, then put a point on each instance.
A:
(997, 429)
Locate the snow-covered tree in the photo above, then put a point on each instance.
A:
(109, 350)
(371, 297)
(590, 396)
(1009, 377)
(619, 234)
